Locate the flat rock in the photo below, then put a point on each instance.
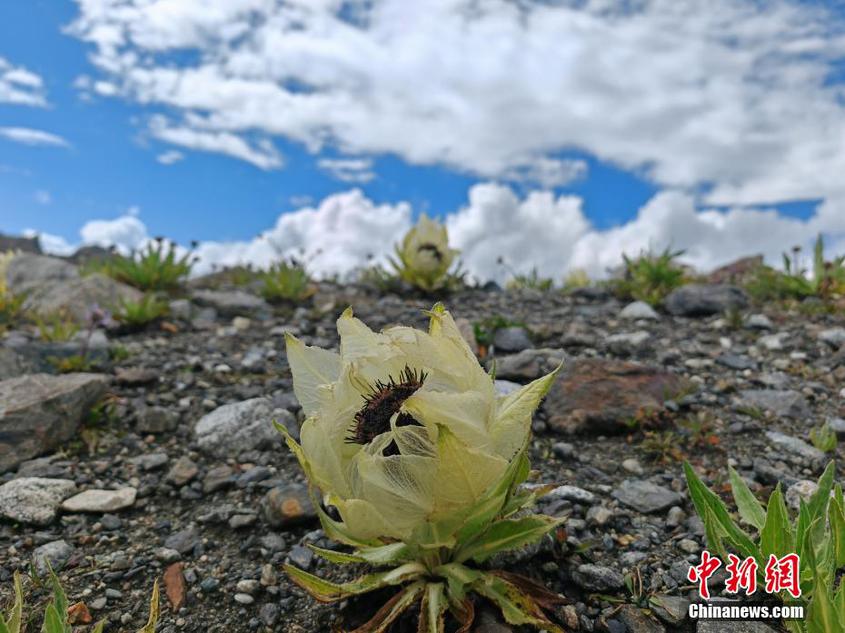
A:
(230, 303)
(241, 426)
(796, 446)
(639, 310)
(785, 402)
(34, 500)
(600, 396)
(29, 271)
(182, 471)
(101, 500)
(697, 300)
(38, 412)
(528, 364)
(597, 578)
(835, 336)
(645, 496)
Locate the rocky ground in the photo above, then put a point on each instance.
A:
(176, 474)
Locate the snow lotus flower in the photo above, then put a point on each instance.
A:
(407, 439)
(424, 257)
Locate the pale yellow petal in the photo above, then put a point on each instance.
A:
(314, 370)
(324, 451)
(357, 340)
(465, 414)
(364, 521)
(512, 422)
(464, 473)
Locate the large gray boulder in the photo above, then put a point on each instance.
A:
(696, 300)
(54, 286)
(39, 411)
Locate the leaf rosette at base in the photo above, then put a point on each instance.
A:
(407, 439)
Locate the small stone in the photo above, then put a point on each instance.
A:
(673, 610)
(269, 614)
(209, 585)
(573, 493)
(800, 491)
(675, 517)
(510, 340)
(56, 554)
(247, 585)
(269, 577)
(599, 515)
(786, 403)
(150, 461)
(633, 466)
(101, 500)
(217, 478)
(639, 310)
(627, 342)
(98, 604)
(182, 471)
(772, 342)
(636, 621)
(689, 546)
(301, 556)
(34, 500)
(244, 598)
(156, 420)
(698, 300)
(238, 427)
(645, 496)
(759, 322)
(167, 554)
(597, 578)
(563, 450)
(238, 521)
(288, 505)
(241, 323)
(183, 541)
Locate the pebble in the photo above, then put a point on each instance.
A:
(597, 578)
(55, 554)
(34, 500)
(101, 500)
(244, 598)
(639, 310)
(645, 496)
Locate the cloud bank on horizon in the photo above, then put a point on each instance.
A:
(729, 107)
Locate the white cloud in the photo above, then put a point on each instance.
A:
(20, 86)
(344, 231)
(43, 197)
(170, 157)
(730, 93)
(348, 230)
(357, 170)
(262, 153)
(30, 136)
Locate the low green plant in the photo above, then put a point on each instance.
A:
(56, 328)
(158, 267)
(532, 281)
(650, 276)
(11, 305)
(576, 278)
(286, 281)
(823, 437)
(817, 536)
(55, 613)
(824, 280)
(485, 329)
(70, 364)
(138, 314)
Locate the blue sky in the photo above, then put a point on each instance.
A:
(629, 133)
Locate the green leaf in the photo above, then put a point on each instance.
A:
(59, 598)
(98, 628)
(750, 509)
(13, 622)
(52, 621)
(516, 606)
(458, 578)
(705, 500)
(821, 615)
(776, 535)
(150, 626)
(818, 503)
(382, 555)
(505, 535)
(839, 601)
(433, 609)
(526, 499)
(837, 526)
(327, 591)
